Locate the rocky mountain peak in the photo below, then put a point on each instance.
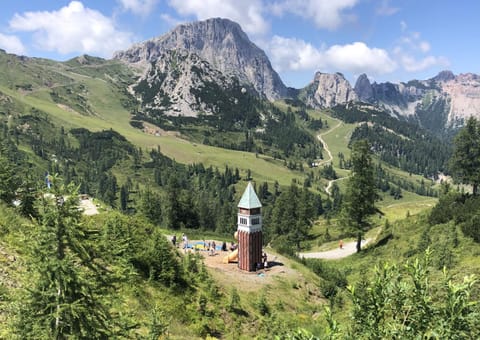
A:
(363, 88)
(329, 89)
(444, 76)
(220, 42)
(182, 83)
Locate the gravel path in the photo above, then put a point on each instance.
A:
(330, 156)
(325, 146)
(348, 249)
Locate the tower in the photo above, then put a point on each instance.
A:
(249, 230)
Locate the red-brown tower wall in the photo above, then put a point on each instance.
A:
(249, 250)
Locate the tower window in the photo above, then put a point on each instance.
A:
(243, 220)
(255, 221)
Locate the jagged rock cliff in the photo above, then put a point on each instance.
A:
(439, 103)
(328, 90)
(363, 88)
(220, 42)
(181, 83)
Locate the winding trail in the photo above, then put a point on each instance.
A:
(325, 145)
(329, 153)
(348, 249)
(330, 184)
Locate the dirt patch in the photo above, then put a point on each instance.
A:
(67, 108)
(230, 274)
(153, 130)
(88, 207)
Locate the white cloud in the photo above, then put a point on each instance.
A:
(410, 52)
(325, 13)
(359, 58)
(73, 28)
(410, 64)
(139, 7)
(170, 20)
(403, 26)
(12, 44)
(424, 46)
(290, 54)
(248, 13)
(385, 9)
(297, 55)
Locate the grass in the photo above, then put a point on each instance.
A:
(112, 115)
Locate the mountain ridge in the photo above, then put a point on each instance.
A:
(223, 44)
(441, 103)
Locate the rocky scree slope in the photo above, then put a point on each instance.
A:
(220, 42)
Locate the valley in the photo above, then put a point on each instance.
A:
(168, 137)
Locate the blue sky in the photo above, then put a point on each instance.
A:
(390, 40)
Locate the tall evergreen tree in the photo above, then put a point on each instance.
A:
(123, 198)
(360, 196)
(69, 286)
(465, 162)
(172, 205)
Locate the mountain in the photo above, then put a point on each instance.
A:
(440, 103)
(327, 90)
(220, 42)
(179, 82)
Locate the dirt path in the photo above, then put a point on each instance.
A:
(329, 153)
(330, 183)
(325, 145)
(348, 249)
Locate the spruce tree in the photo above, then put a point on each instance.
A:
(360, 196)
(465, 162)
(66, 294)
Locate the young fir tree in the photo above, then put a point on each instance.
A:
(360, 196)
(465, 162)
(65, 297)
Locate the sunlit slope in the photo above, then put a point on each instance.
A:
(104, 96)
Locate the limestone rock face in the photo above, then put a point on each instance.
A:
(181, 83)
(328, 90)
(363, 88)
(220, 42)
(439, 103)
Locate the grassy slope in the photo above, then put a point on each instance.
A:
(105, 100)
(292, 294)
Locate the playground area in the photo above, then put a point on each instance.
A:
(229, 273)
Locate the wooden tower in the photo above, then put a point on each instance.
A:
(249, 230)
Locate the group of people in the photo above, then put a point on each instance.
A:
(209, 246)
(184, 241)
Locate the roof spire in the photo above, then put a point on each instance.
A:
(249, 198)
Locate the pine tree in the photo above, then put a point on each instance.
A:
(66, 297)
(360, 196)
(172, 205)
(123, 198)
(465, 162)
(8, 178)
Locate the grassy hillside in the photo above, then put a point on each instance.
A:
(104, 98)
(214, 299)
(74, 118)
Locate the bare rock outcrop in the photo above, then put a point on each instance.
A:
(328, 90)
(220, 42)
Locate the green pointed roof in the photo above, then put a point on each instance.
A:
(249, 198)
